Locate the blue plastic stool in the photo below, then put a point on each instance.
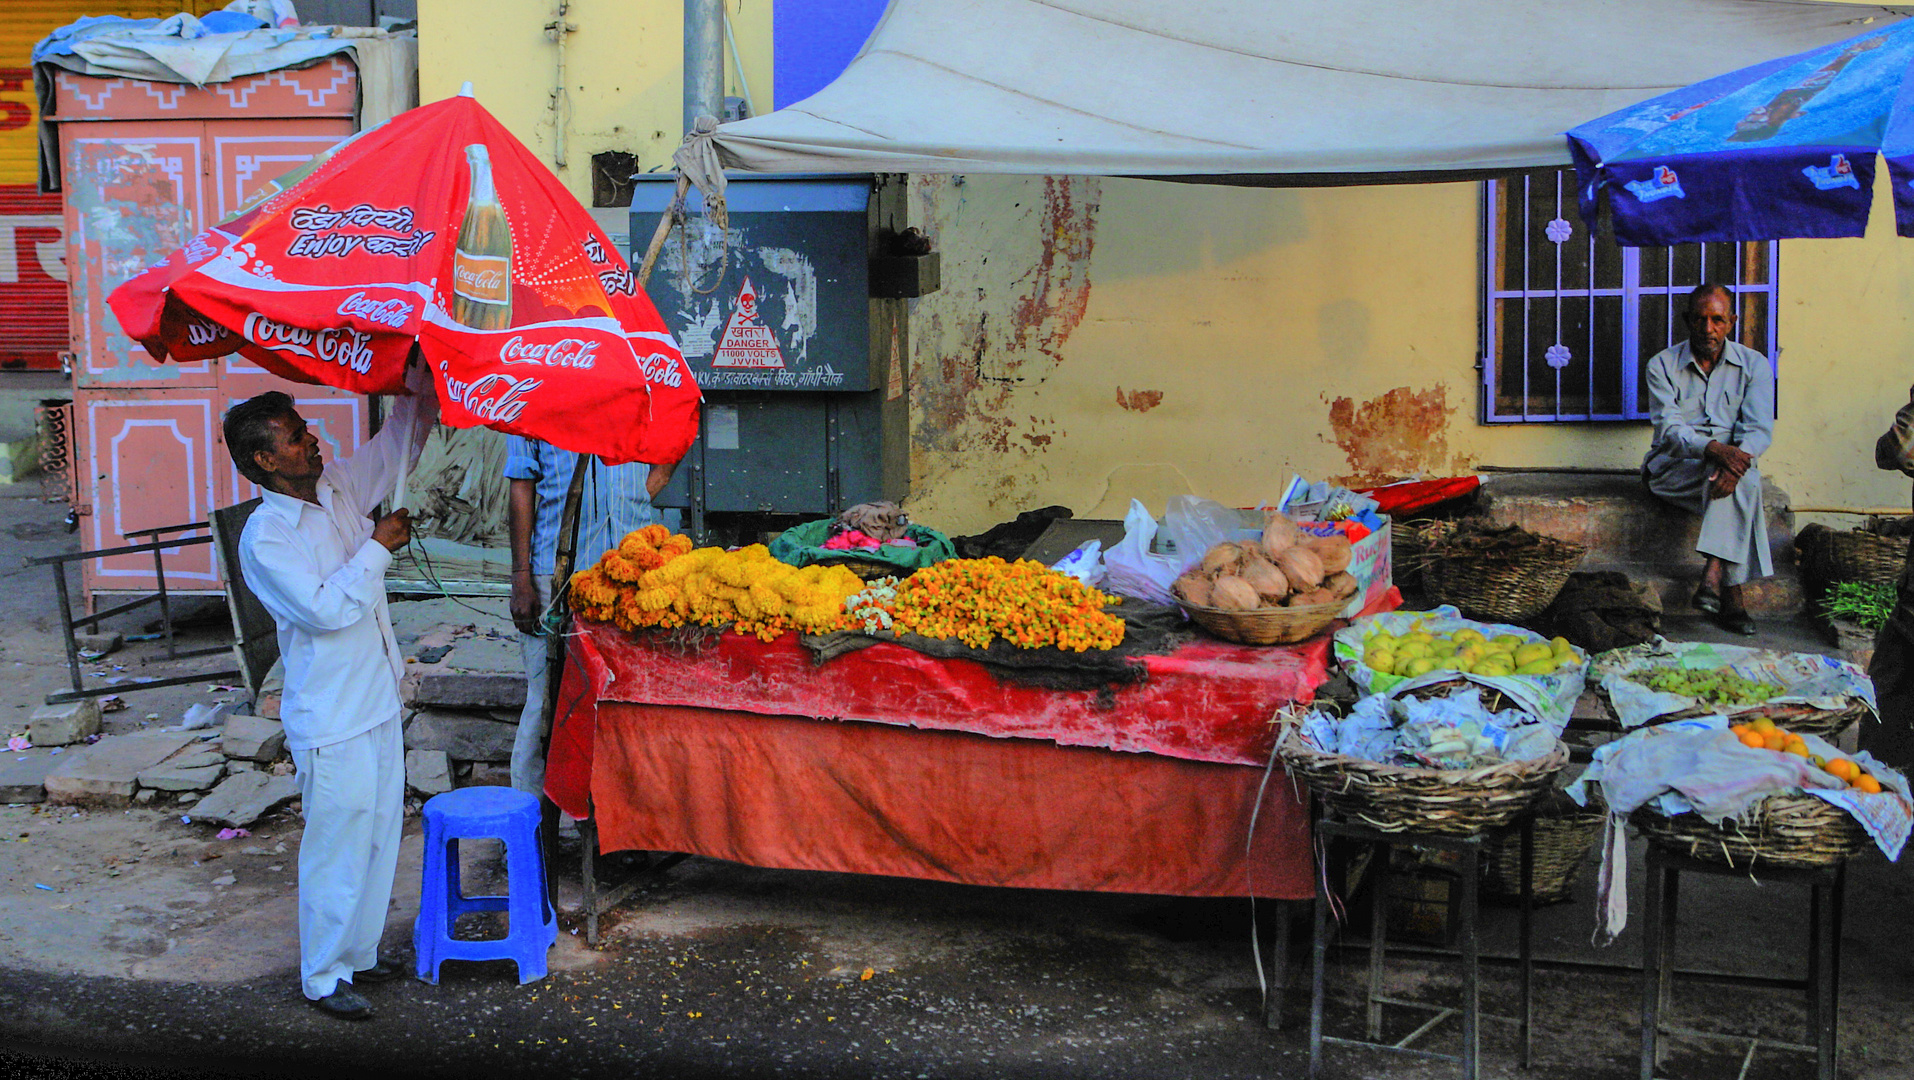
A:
(484, 813)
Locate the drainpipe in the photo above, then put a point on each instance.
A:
(556, 31)
(704, 61)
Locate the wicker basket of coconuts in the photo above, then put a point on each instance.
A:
(1284, 587)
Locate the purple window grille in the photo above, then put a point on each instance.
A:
(1570, 318)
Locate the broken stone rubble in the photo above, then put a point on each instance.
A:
(253, 738)
(107, 772)
(63, 725)
(244, 798)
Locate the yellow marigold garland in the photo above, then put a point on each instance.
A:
(1027, 604)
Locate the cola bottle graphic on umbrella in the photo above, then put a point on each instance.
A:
(482, 258)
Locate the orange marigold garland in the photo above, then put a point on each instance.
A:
(654, 579)
(1025, 603)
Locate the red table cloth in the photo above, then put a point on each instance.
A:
(889, 761)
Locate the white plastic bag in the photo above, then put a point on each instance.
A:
(1131, 569)
(1192, 526)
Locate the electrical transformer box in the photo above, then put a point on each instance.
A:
(803, 369)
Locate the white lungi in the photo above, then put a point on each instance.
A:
(353, 793)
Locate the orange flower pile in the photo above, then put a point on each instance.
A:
(1027, 604)
(657, 580)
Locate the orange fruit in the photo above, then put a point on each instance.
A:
(1868, 784)
(1792, 739)
(1798, 749)
(1773, 740)
(1762, 724)
(1738, 729)
(1840, 767)
(1750, 739)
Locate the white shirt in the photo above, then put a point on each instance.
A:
(320, 573)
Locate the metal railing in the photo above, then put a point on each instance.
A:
(68, 624)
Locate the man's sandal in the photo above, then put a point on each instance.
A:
(1707, 601)
(1738, 622)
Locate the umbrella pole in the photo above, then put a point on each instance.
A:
(567, 553)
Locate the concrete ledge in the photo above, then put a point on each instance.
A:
(1627, 529)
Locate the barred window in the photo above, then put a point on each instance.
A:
(1570, 318)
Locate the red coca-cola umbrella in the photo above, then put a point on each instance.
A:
(436, 228)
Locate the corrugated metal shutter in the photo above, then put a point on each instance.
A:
(22, 27)
(33, 329)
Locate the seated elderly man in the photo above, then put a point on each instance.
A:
(1713, 410)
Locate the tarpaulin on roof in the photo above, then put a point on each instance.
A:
(1285, 91)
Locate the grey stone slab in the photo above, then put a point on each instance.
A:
(465, 736)
(191, 758)
(107, 773)
(469, 690)
(169, 777)
(253, 738)
(428, 772)
(62, 725)
(98, 645)
(244, 798)
(23, 775)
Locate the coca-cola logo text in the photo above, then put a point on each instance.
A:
(201, 332)
(620, 280)
(663, 369)
(320, 234)
(496, 397)
(341, 345)
(391, 311)
(198, 249)
(479, 279)
(569, 352)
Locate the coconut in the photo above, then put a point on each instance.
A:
(1269, 582)
(1279, 533)
(1193, 588)
(1332, 550)
(1341, 584)
(1224, 558)
(1301, 566)
(1231, 593)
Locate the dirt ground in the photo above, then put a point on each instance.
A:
(135, 944)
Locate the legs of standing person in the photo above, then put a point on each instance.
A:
(353, 795)
(1892, 669)
(528, 747)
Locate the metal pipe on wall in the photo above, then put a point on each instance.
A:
(704, 61)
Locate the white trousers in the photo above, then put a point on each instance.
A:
(528, 746)
(353, 793)
(1734, 529)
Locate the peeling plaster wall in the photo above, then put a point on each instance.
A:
(1098, 339)
(624, 66)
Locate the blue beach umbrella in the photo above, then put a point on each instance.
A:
(1782, 149)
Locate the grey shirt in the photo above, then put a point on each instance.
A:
(1733, 404)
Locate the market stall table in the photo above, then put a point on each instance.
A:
(888, 761)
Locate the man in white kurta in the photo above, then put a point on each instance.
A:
(1713, 409)
(317, 562)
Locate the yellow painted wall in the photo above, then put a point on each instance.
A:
(624, 65)
(1097, 339)
(1102, 338)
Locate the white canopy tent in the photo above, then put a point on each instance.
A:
(1287, 92)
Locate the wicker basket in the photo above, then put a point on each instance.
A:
(1267, 626)
(1564, 835)
(1859, 555)
(1787, 831)
(1409, 541)
(1503, 586)
(1399, 798)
